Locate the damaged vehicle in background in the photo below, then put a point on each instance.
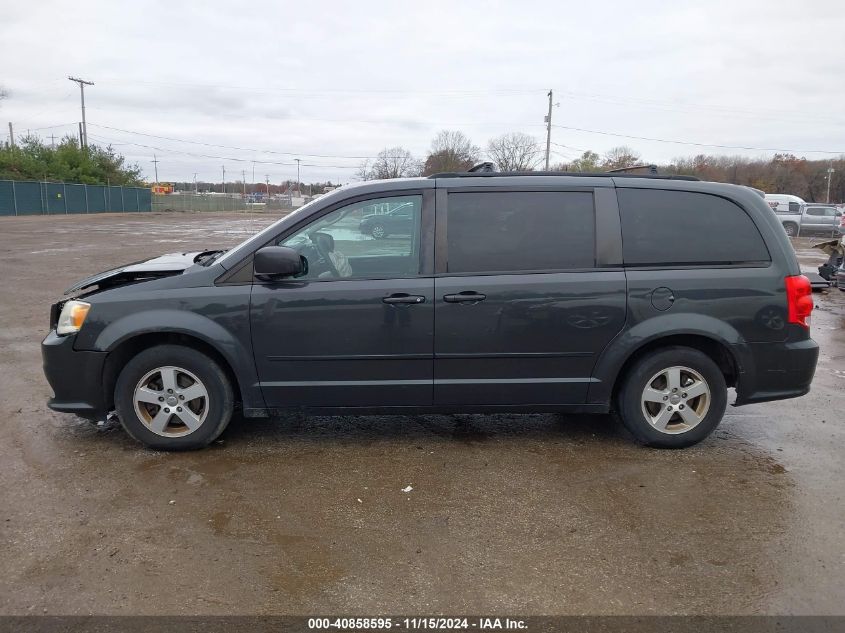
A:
(648, 296)
(833, 270)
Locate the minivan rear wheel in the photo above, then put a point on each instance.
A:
(171, 397)
(673, 398)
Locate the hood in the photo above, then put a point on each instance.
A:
(163, 266)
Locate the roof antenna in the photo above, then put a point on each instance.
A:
(486, 167)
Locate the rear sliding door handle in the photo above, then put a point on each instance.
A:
(403, 298)
(467, 296)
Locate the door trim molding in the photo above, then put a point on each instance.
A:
(353, 357)
(436, 381)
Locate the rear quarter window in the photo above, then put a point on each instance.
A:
(664, 228)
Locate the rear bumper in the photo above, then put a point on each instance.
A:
(76, 377)
(780, 371)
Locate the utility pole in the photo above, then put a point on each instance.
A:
(81, 139)
(267, 180)
(297, 173)
(196, 190)
(243, 180)
(253, 172)
(549, 131)
(155, 164)
(224, 178)
(82, 83)
(53, 141)
(830, 171)
(11, 135)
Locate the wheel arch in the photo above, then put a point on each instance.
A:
(231, 347)
(131, 346)
(717, 351)
(721, 343)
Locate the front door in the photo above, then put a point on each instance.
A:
(357, 329)
(522, 310)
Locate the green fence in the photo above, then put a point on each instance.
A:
(24, 197)
(187, 201)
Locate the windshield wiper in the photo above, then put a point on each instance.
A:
(207, 257)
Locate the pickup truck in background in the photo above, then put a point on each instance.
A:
(798, 216)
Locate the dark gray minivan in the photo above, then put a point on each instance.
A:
(648, 296)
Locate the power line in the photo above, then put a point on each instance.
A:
(480, 92)
(577, 149)
(243, 149)
(685, 106)
(663, 140)
(52, 127)
(217, 157)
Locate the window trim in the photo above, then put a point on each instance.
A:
(698, 265)
(426, 250)
(442, 221)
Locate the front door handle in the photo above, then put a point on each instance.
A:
(403, 298)
(467, 296)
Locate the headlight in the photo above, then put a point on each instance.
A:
(72, 317)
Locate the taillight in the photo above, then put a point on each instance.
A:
(799, 299)
(842, 221)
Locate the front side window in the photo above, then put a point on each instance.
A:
(665, 228)
(378, 238)
(520, 231)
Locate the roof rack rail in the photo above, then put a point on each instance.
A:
(652, 169)
(572, 174)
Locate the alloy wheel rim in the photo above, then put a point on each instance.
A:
(675, 400)
(378, 231)
(171, 401)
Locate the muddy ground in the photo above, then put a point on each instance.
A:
(542, 514)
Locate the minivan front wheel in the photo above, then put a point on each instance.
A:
(673, 398)
(171, 397)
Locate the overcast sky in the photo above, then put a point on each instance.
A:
(331, 82)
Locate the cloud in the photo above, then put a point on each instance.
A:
(340, 80)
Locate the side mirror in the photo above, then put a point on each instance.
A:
(276, 262)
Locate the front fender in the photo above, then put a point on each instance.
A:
(629, 340)
(233, 343)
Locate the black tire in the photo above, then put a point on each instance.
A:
(630, 405)
(379, 231)
(791, 229)
(217, 407)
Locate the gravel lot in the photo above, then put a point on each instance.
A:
(542, 514)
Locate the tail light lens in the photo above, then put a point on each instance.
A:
(799, 299)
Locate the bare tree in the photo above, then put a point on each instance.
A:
(622, 156)
(394, 162)
(450, 151)
(515, 151)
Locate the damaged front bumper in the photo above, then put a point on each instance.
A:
(75, 376)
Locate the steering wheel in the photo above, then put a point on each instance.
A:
(325, 259)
